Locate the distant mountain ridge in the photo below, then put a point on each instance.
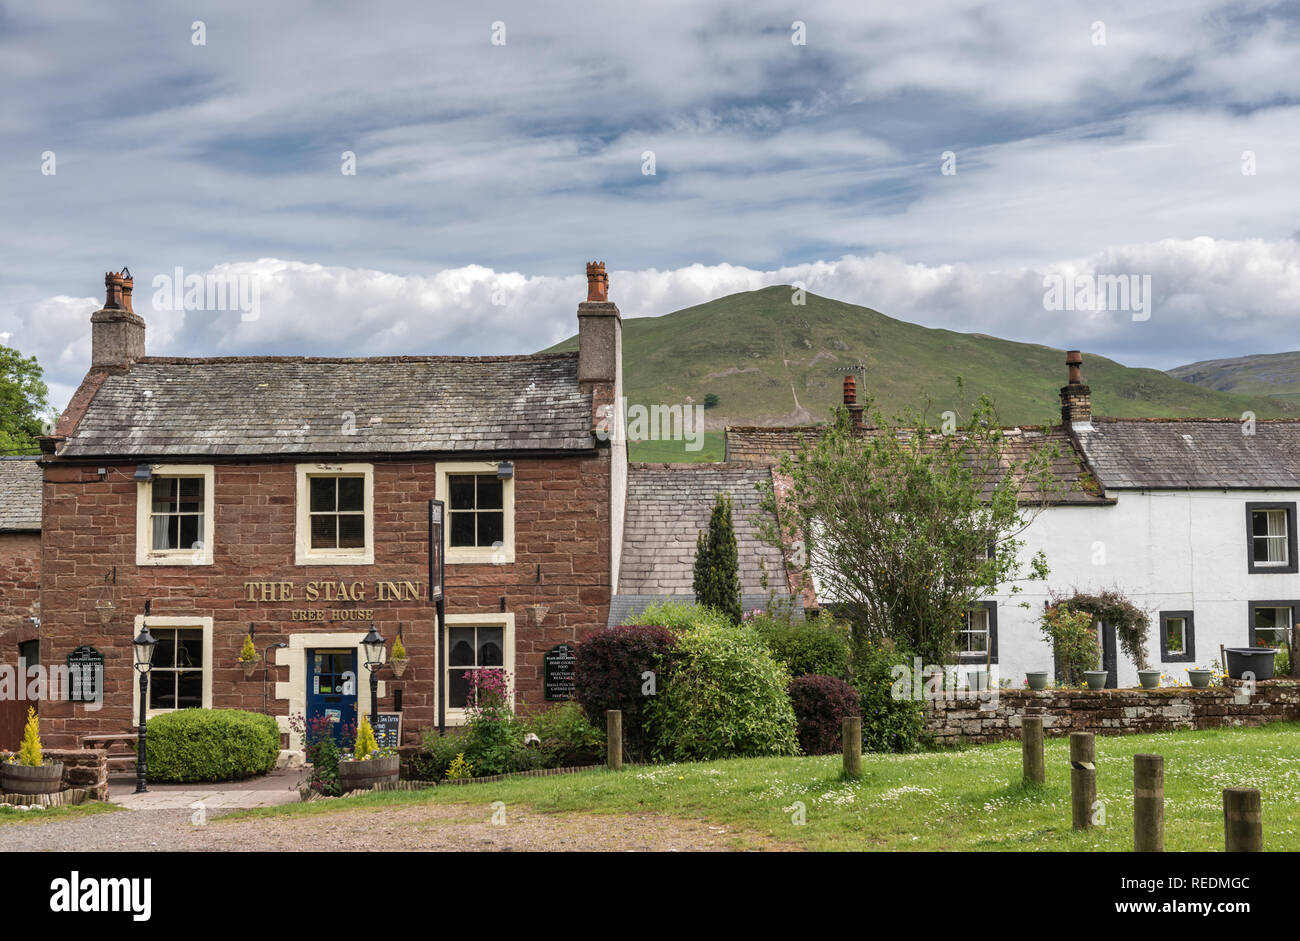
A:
(1276, 375)
(769, 361)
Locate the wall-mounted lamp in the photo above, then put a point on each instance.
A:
(505, 470)
(143, 473)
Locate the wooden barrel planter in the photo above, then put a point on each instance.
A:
(22, 779)
(363, 775)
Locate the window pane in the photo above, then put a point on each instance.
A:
(164, 494)
(191, 494)
(352, 531)
(1174, 634)
(1259, 522)
(491, 528)
(164, 655)
(189, 650)
(457, 689)
(322, 494)
(460, 647)
(490, 489)
(162, 690)
(189, 531)
(324, 532)
(462, 529)
(189, 689)
(490, 644)
(461, 491)
(352, 493)
(173, 532)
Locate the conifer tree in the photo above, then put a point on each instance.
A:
(717, 562)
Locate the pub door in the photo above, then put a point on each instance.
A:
(332, 692)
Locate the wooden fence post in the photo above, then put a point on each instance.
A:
(1243, 826)
(1031, 750)
(1148, 804)
(1083, 779)
(614, 738)
(851, 739)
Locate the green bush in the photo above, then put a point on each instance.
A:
(818, 647)
(211, 745)
(568, 739)
(435, 756)
(889, 724)
(726, 698)
(678, 617)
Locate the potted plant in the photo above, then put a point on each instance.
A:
(1200, 677)
(248, 657)
(1096, 679)
(28, 772)
(1149, 678)
(1037, 679)
(399, 659)
(368, 764)
(1257, 660)
(1073, 640)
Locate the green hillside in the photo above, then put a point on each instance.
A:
(770, 362)
(1272, 374)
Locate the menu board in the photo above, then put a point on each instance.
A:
(558, 667)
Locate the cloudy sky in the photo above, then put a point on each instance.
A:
(498, 148)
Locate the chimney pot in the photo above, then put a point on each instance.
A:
(597, 283)
(1076, 398)
(850, 391)
(117, 331)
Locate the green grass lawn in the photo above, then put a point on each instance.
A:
(10, 814)
(955, 800)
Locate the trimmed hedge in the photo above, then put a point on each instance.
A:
(818, 647)
(821, 703)
(211, 745)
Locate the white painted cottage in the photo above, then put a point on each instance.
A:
(1193, 520)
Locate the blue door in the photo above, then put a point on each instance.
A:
(332, 692)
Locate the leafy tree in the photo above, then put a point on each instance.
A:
(904, 526)
(717, 563)
(710, 400)
(24, 402)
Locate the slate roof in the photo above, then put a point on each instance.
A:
(296, 405)
(20, 494)
(1180, 454)
(765, 445)
(668, 505)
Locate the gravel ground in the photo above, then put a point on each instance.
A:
(464, 827)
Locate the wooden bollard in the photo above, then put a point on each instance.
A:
(1148, 804)
(614, 738)
(1083, 779)
(1031, 750)
(1243, 824)
(851, 738)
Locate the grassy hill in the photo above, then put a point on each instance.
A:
(770, 362)
(1270, 374)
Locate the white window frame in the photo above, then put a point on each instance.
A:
(145, 553)
(506, 620)
(304, 554)
(172, 623)
(968, 628)
(499, 555)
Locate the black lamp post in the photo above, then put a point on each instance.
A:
(374, 645)
(143, 646)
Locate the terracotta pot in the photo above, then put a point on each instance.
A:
(399, 665)
(363, 775)
(21, 779)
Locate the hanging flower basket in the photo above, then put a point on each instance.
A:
(399, 665)
(250, 666)
(105, 611)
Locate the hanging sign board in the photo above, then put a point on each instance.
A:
(85, 675)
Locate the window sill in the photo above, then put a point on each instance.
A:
(183, 557)
(462, 555)
(335, 558)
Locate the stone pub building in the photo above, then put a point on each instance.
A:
(289, 496)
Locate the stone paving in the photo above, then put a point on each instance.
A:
(278, 787)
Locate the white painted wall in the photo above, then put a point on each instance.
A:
(1165, 550)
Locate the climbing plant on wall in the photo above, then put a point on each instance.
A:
(1112, 607)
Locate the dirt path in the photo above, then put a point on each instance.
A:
(442, 827)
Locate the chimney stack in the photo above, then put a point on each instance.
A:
(1076, 398)
(600, 344)
(851, 401)
(116, 331)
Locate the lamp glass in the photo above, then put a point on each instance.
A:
(374, 646)
(144, 645)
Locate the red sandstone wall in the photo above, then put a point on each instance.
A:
(562, 547)
(20, 569)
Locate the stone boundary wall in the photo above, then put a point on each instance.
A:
(1111, 711)
(83, 768)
